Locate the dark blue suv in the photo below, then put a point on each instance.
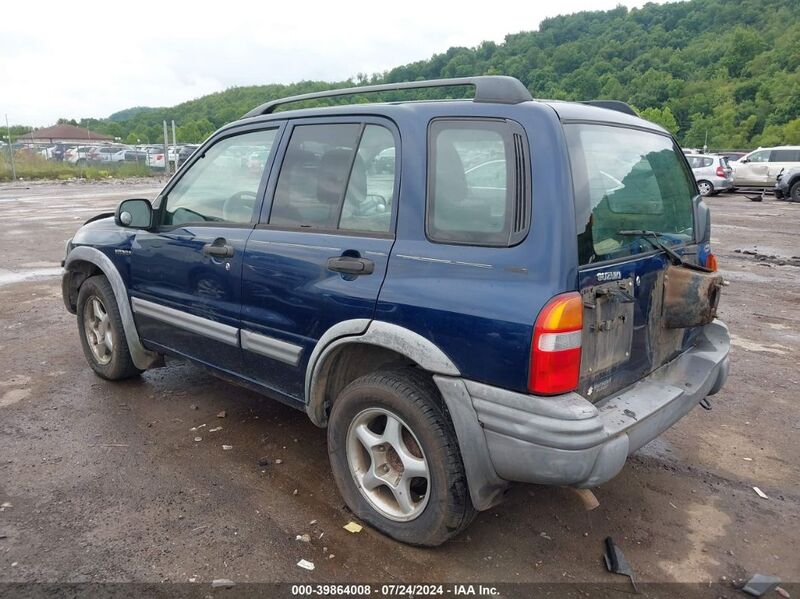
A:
(465, 293)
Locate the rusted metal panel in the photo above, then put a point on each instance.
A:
(607, 326)
(691, 297)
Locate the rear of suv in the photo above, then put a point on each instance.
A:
(465, 293)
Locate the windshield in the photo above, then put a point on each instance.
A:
(627, 179)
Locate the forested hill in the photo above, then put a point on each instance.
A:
(728, 68)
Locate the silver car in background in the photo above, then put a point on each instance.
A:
(712, 173)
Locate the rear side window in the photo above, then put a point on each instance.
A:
(337, 176)
(627, 180)
(785, 156)
(478, 182)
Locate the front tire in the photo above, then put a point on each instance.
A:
(396, 459)
(101, 333)
(794, 192)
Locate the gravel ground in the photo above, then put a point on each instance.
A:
(105, 482)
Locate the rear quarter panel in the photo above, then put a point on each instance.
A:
(478, 304)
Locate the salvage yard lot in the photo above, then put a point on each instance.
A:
(106, 481)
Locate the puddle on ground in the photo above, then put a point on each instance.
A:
(8, 277)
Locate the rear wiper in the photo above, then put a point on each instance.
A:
(654, 238)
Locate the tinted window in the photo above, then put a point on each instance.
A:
(472, 196)
(626, 179)
(222, 185)
(370, 191)
(785, 156)
(708, 161)
(314, 175)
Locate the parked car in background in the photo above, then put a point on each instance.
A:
(108, 154)
(155, 157)
(732, 156)
(78, 155)
(787, 186)
(135, 155)
(712, 173)
(506, 312)
(760, 168)
(186, 152)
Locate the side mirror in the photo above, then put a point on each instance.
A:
(743, 161)
(702, 221)
(135, 214)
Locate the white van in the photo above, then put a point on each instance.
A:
(760, 167)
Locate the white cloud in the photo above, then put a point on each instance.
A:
(94, 57)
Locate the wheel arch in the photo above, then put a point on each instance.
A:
(358, 347)
(83, 262)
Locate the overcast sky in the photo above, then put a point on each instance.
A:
(93, 58)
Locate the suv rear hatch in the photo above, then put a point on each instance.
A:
(627, 181)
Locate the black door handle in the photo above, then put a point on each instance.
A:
(219, 249)
(351, 265)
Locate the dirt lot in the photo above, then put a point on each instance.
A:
(106, 483)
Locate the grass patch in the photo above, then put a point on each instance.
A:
(29, 168)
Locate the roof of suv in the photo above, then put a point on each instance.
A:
(498, 90)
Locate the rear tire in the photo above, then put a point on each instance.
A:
(706, 188)
(794, 192)
(101, 333)
(373, 467)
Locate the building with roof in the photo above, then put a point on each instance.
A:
(67, 134)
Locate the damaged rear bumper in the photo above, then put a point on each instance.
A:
(566, 440)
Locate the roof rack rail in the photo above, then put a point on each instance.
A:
(617, 105)
(488, 88)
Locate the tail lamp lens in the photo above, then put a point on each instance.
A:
(556, 348)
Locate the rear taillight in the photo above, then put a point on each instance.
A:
(711, 262)
(720, 172)
(556, 348)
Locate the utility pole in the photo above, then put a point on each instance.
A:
(166, 150)
(11, 151)
(175, 145)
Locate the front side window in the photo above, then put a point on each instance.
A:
(760, 156)
(477, 183)
(222, 185)
(624, 180)
(337, 176)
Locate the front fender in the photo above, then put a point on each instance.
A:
(143, 358)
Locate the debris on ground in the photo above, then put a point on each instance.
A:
(197, 428)
(760, 493)
(748, 459)
(331, 556)
(544, 535)
(305, 538)
(223, 583)
(263, 462)
(353, 527)
(295, 492)
(193, 406)
(783, 592)
(305, 564)
(616, 562)
(4, 505)
(313, 522)
(198, 439)
(215, 430)
(222, 414)
(279, 461)
(761, 584)
(227, 447)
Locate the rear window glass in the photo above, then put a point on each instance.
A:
(625, 180)
(477, 183)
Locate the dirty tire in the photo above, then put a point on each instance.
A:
(794, 192)
(411, 395)
(120, 366)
